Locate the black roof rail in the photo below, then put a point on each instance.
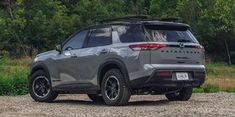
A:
(138, 18)
(127, 18)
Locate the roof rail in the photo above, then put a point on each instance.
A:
(137, 18)
(127, 18)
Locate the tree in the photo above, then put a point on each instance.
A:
(211, 21)
(163, 8)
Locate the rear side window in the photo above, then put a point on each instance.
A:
(100, 37)
(169, 34)
(130, 33)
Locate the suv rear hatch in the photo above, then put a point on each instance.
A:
(175, 44)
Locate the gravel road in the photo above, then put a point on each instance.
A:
(210, 105)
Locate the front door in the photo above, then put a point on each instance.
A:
(67, 62)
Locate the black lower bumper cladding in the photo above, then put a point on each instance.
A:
(167, 78)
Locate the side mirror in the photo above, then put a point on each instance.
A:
(58, 48)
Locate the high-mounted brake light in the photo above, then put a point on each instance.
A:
(147, 46)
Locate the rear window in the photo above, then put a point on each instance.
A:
(130, 33)
(169, 34)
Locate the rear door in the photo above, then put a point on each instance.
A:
(96, 50)
(178, 45)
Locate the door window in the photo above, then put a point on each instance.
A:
(76, 42)
(100, 37)
(131, 33)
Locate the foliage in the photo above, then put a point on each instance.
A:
(33, 26)
(212, 22)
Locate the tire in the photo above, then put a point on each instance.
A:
(182, 95)
(37, 90)
(96, 98)
(120, 93)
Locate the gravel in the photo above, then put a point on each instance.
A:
(210, 105)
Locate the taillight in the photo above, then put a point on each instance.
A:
(199, 46)
(147, 46)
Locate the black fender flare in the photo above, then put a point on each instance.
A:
(37, 66)
(118, 63)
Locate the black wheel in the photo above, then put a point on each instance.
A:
(40, 87)
(114, 89)
(97, 98)
(182, 95)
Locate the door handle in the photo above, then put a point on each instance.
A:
(103, 51)
(69, 54)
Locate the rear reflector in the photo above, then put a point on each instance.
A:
(165, 72)
(147, 46)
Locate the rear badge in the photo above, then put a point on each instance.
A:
(182, 45)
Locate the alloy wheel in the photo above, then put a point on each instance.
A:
(112, 87)
(41, 86)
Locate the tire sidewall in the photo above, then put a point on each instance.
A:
(30, 85)
(122, 85)
(184, 94)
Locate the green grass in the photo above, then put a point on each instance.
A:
(13, 76)
(208, 88)
(220, 77)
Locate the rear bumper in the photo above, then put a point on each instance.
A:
(156, 79)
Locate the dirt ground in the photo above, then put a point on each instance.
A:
(210, 105)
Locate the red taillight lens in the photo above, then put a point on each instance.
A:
(164, 72)
(147, 46)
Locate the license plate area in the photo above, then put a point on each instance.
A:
(182, 76)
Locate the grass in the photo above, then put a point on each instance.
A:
(13, 77)
(220, 77)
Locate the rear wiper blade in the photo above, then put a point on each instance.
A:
(183, 40)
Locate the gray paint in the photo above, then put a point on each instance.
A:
(81, 65)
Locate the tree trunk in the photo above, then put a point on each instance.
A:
(228, 52)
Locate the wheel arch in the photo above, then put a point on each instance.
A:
(39, 66)
(109, 64)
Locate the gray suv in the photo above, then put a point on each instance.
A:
(121, 57)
